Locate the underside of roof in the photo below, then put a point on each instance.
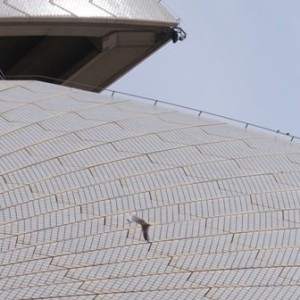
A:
(81, 43)
(223, 202)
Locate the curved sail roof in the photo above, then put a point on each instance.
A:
(98, 11)
(223, 202)
(81, 43)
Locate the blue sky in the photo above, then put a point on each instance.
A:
(241, 59)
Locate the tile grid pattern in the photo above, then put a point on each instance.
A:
(223, 202)
(118, 10)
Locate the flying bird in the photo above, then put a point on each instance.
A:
(145, 226)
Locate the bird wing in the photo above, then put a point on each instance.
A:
(145, 226)
(139, 220)
(145, 230)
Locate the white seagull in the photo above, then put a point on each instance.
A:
(145, 226)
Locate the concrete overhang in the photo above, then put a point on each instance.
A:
(84, 44)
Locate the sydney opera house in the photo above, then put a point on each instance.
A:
(222, 200)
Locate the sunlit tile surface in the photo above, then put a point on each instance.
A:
(119, 10)
(223, 202)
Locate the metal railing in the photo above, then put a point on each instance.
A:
(200, 112)
(291, 137)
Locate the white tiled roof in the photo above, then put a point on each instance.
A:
(223, 202)
(104, 10)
